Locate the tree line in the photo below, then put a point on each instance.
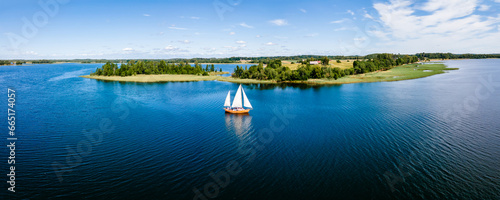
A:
(152, 67)
(283, 73)
(275, 71)
(8, 62)
(455, 56)
(5, 62)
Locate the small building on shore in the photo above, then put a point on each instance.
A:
(314, 62)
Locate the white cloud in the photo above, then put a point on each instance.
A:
(176, 28)
(185, 41)
(270, 44)
(366, 15)
(359, 39)
(127, 49)
(232, 33)
(235, 48)
(350, 12)
(246, 25)
(258, 36)
(281, 37)
(279, 22)
(146, 15)
(208, 49)
(303, 10)
(31, 53)
(341, 29)
(447, 25)
(380, 34)
(447, 18)
(483, 7)
(194, 17)
(241, 42)
(170, 48)
(338, 21)
(312, 35)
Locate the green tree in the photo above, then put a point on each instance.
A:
(325, 61)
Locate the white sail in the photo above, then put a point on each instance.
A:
(237, 99)
(246, 102)
(228, 100)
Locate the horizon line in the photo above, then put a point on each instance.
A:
(243, 56)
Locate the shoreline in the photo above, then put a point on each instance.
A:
(403, 72)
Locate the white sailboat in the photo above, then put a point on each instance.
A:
(238, 105)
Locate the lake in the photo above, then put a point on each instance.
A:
(431, 138)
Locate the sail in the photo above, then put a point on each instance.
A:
(237, 99)
(228, 100)
(246, 102)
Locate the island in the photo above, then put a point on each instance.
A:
(374, 68)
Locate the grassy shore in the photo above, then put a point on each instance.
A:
(159, 78)
(217, 73)
(403, 72)
(153, 78)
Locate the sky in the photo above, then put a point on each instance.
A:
(163, 29)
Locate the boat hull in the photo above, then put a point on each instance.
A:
(237, 111)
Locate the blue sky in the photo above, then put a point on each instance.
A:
(67, 29)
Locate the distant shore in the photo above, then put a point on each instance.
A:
(404, 72)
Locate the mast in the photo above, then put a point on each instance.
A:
(246, 102)
(237, 99)
(228, 100)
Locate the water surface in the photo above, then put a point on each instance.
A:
(430, 138)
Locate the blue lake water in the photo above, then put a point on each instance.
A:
(431, 138)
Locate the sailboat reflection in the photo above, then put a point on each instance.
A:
(240, 124)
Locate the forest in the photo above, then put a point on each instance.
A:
(275, 71)
(152, 67)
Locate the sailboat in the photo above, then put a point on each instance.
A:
(237, 106)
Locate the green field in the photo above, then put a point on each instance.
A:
(333, 63)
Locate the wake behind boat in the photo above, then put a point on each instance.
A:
(237, 107)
